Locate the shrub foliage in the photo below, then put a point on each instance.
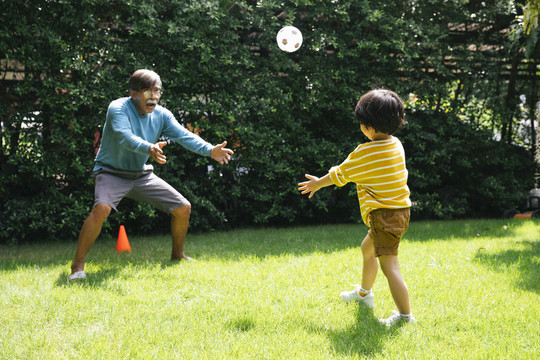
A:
(284, 114)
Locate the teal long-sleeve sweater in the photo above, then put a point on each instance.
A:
(127, 136)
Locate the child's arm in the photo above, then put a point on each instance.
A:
(314, 184)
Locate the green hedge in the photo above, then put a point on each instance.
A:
(284, 114)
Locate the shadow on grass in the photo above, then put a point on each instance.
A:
(225, 245)
(268, 242)
(366, 337)
(94, 279)
(102, 263)
(112, 267)
(467, 229)
(264, 242)
(236, 245)
(526, 260)
(241, 324)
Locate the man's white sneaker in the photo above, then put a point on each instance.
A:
(397, 318)
(79, 275)
(354, 295)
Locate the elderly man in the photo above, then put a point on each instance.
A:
(130, 136)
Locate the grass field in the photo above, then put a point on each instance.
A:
(274, 294)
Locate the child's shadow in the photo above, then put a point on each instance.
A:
(366, 337)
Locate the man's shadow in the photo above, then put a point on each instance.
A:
(101, 278)
(366, 337)
(94, 279)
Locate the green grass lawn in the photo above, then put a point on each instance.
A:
(274, 294)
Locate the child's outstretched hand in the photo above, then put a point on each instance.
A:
(314, 184)
(311, 186)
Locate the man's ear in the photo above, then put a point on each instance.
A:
(132, 94)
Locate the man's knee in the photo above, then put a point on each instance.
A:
(183, 211)
(101, 211)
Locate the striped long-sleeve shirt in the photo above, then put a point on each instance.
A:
(379, 171)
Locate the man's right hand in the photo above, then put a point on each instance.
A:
(156, 153)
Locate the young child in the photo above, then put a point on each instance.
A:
(378, 169)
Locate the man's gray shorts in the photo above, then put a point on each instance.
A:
(113, 185)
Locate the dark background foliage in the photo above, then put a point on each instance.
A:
(284, 114)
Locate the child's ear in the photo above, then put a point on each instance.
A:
(364, 127)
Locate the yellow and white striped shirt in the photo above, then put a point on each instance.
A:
(378, 169)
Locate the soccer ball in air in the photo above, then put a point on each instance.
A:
(289, 39)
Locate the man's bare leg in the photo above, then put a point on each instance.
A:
(89, 233)
(179, 228)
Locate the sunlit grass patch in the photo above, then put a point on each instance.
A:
(274, 294)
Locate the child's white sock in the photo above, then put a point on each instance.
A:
(363, 292)
(405, 316)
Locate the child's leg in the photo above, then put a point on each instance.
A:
(398, 288)
(370, 266)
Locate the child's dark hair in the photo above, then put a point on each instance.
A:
(381, 110)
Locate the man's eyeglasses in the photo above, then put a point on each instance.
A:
(149, 92)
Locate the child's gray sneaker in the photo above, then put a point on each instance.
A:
(396, 317)
(354, 295)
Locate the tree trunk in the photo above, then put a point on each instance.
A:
(510, 102)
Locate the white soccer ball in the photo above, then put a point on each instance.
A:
(289, 39)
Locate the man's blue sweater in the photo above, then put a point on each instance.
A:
(127, 136)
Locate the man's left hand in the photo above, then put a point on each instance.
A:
(221, 154)
(156, 153)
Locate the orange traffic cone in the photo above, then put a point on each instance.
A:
(122, 244)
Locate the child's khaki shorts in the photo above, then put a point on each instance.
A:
(387, 228)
